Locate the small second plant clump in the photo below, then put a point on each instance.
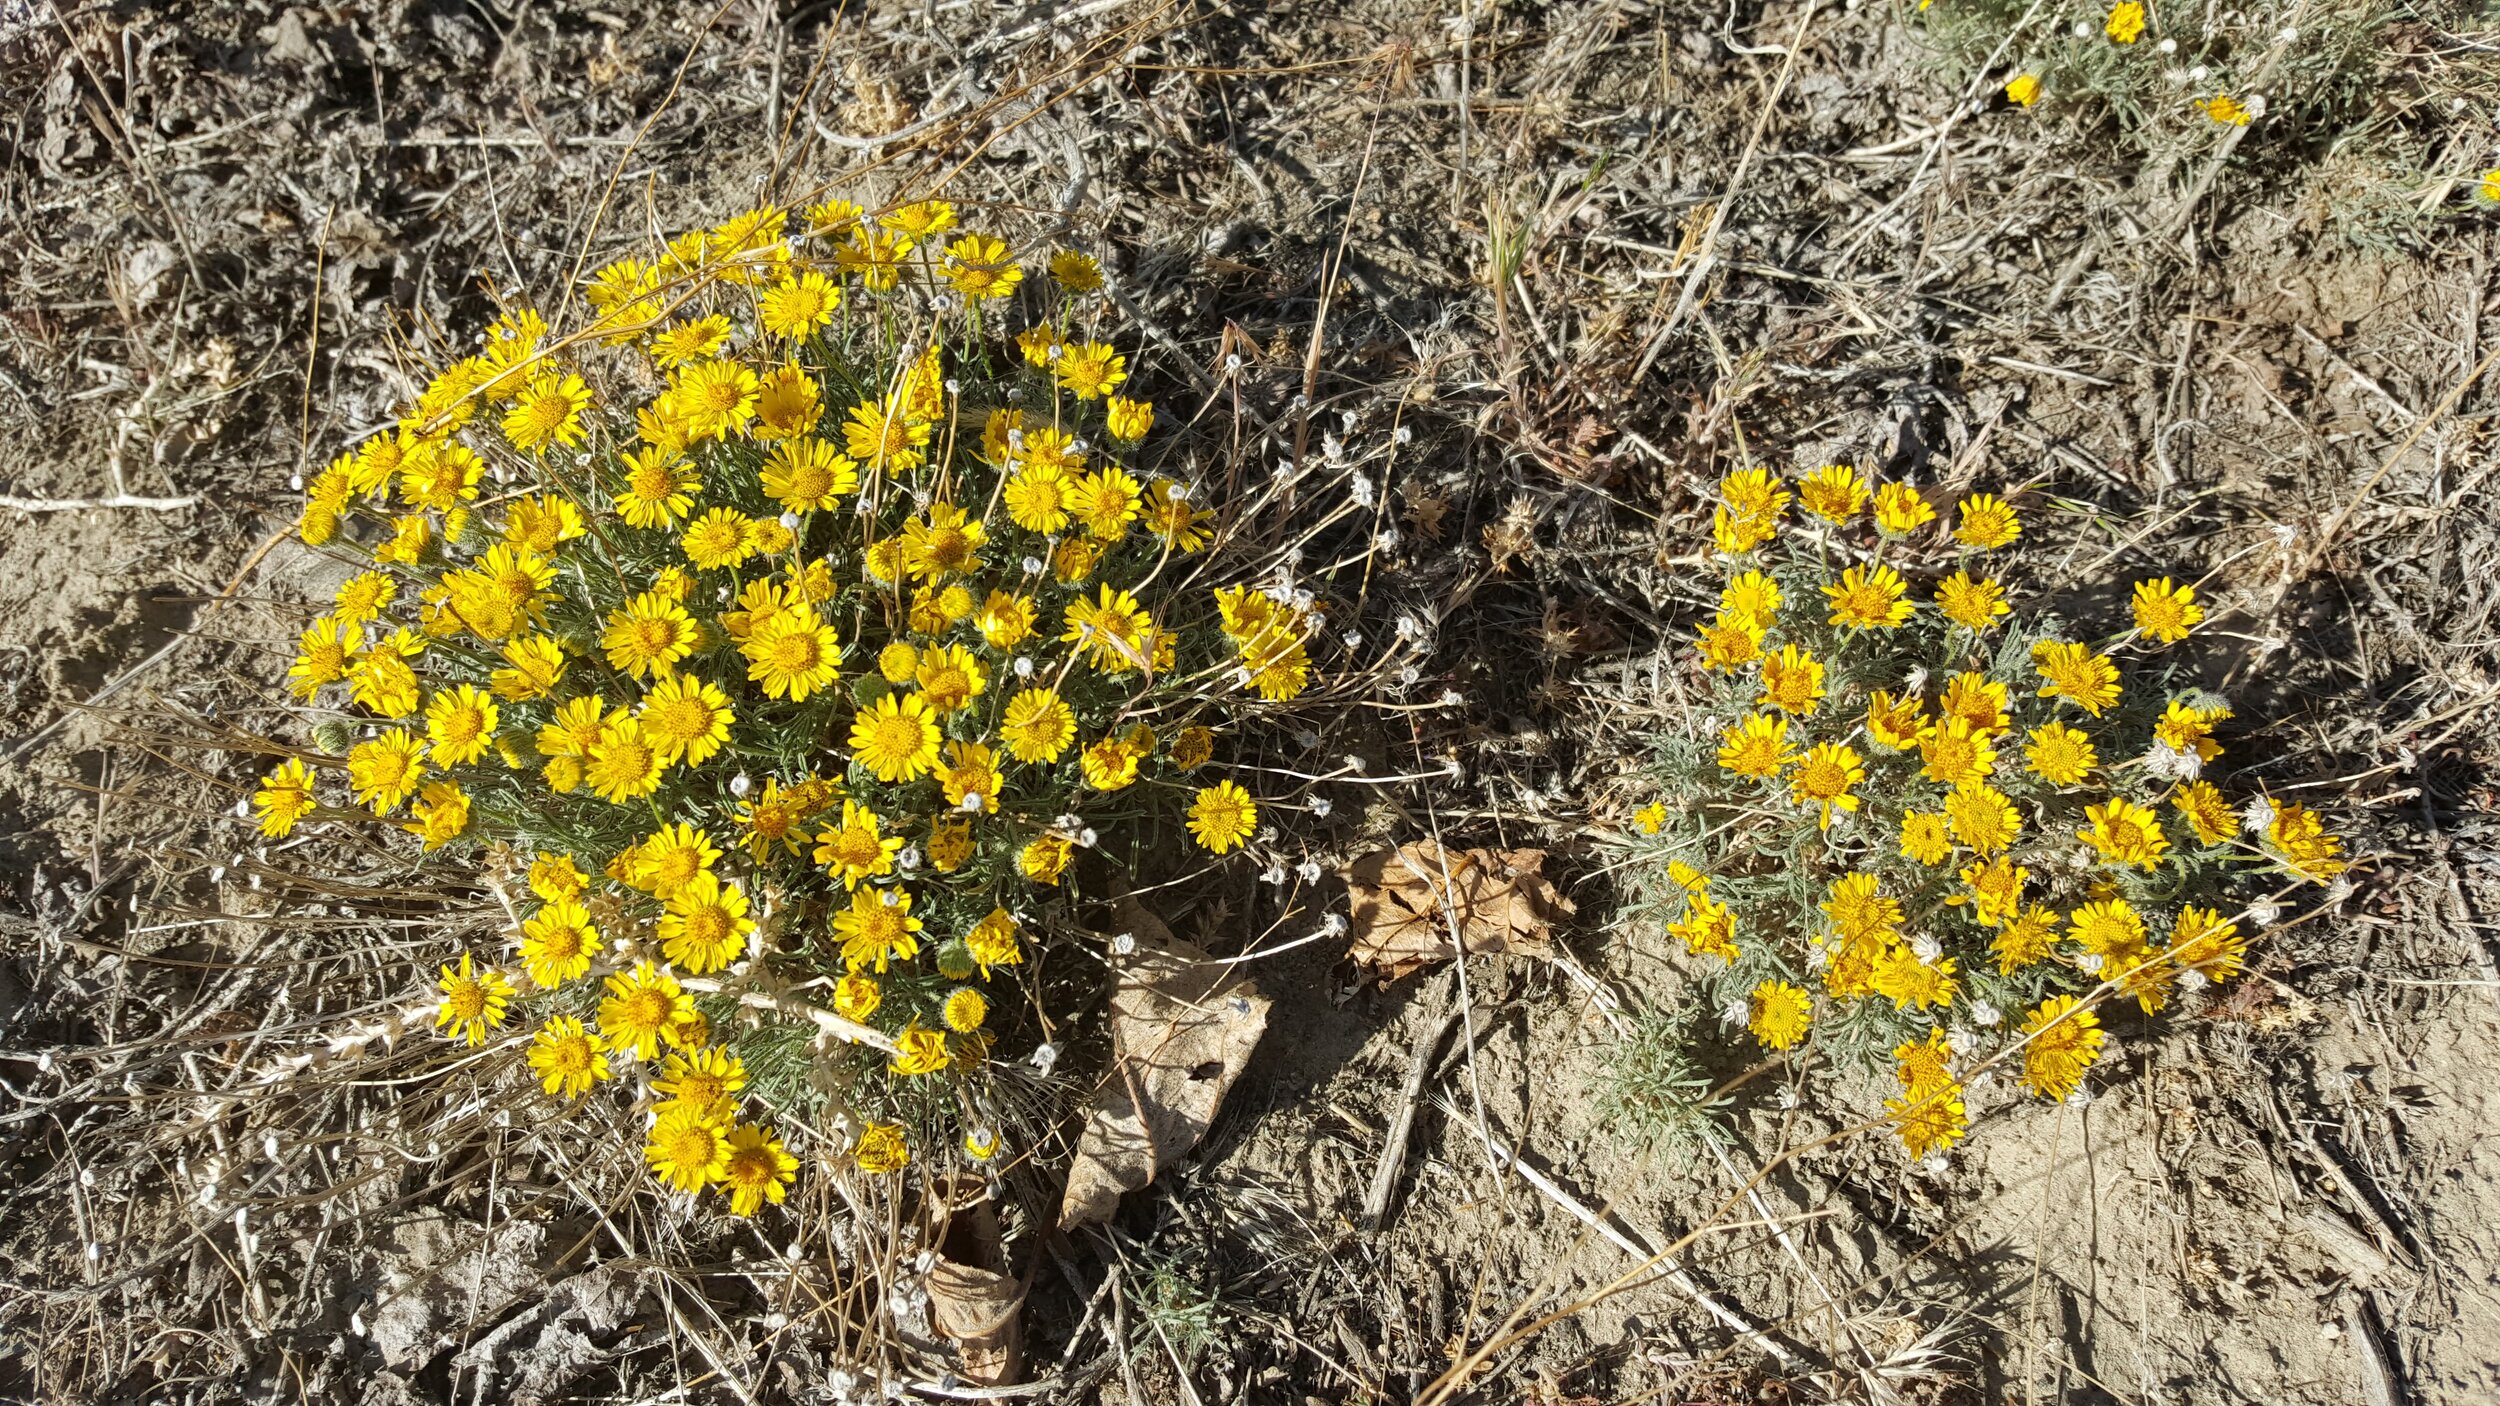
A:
(1915, 818)
(772, 639)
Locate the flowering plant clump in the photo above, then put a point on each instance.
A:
(2170, 74)
(1915, 819)
(772, 642)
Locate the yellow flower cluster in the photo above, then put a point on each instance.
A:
(791, 632)
(1945, 814)
(2124, 25)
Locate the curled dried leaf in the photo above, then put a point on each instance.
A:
(1408, 901)
(1182, 1027)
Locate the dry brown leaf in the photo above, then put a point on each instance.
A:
(1404, 905)
(973, 1300)
(1182, 1028)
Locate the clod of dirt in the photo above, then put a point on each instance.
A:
(1407, 901)
(537, 1352)
(446, 1276)
(1182, 1028)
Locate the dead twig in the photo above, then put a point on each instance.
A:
(1666, 1267)
(1428, 1043)
(115, 500)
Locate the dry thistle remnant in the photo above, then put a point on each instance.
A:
(791, 620)
(1921, 822)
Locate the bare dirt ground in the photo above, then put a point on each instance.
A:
(1596, 253)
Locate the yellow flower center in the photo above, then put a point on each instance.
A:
(626, 757)
(947, 688)
(880, 924)
(1821, 780)
(654, 636)
(690, 1146)
(1757, 754)
(949, 548)
(896, 735)
(680, 719)
(547, 413)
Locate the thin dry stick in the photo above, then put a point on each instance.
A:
(1668, 1269)
(1788, 1244)
(1384, 1185)
(113, 500)
(2439, 412)
(312, 343)
(1466, 997)
(1327, 285)
(1707, 259)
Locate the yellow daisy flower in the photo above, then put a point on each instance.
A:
(1972, 602)
(1779, 1014)
(569, 1060)
(473, 1002)
(644, 1008)
(2073, 672)
(706, 926)
(1901, 510)
(858, 848)
(284, 797)
(2060, 1039)
(557, 943)
(896, 738)
(387, 769)
(1987, 521)
(1792, 681)
(2059, 755)
(1868, 598)
(1756, 748)
(794, 655)
(759, 1170)
(687, 1149)
(1222, 817)
(2166, 612)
